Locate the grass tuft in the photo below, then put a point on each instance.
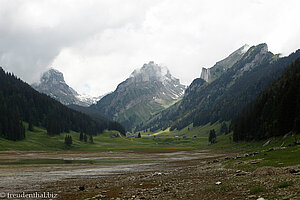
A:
(284, 184)
(257, 190)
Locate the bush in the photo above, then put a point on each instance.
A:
(284, 184)
(256, 190)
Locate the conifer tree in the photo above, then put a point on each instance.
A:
(212, 136)
(85, 138)
(224, 129)
(81, 136)
(91, 139)
(30, 126)
(68, 140)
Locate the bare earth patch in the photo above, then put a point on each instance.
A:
(143, 175)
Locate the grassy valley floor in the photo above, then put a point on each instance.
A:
(161, 165)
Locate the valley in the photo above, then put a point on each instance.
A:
(232, 134)
(162, 165)
(142, 100)
(162, 174)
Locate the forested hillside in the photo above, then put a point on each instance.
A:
(275, 112)
(222, 99)
(21, 103)
(98, 117)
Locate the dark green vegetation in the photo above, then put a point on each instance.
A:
(98, 117)
(68, 140)
(224, 129)
(257, 190)
(20, 103)
(276, 111)
(277, 158)
(222, 99)
(39, 140)
(189, 138)
(284, 184)
(212, 136)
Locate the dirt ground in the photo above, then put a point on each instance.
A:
(152, 175)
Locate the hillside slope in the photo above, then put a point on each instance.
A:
(20, 102)
(223, 98)
(275, 112)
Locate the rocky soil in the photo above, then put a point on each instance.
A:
(206, 178)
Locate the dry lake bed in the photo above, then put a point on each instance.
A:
(142, 175)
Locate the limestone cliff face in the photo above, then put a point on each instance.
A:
(205, 74)
(211, 74)
(258, 59)
(147, 91)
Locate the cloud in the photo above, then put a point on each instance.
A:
(97, 44)
(33, 33)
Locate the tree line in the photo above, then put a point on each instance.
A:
(275, 112)
(21, 103)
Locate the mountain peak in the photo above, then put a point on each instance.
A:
(53, 84)
(210, 74)
(152, 72)
(254, 57)
(264, 47)
(52, 75)
(147, 91)
(154, 68)
(244, 48)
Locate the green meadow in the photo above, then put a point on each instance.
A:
(189, 138)
(39, 140)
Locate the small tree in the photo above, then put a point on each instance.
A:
(139, 135)
(85, 138)
(68, 140)
(224, 129)
(81, 136)
(212, 136)
(30, 126)
(91, 139)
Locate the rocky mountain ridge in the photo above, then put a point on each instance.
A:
(147, 91)
(221, 99)
(211, 74)
(53, 84)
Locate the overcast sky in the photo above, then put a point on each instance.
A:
(97, 44)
